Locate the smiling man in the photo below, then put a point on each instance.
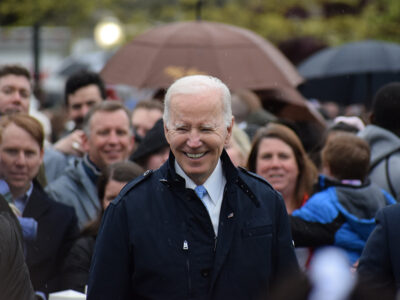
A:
(197, 227)
(108, 138)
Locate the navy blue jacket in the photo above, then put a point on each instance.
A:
(157, 241)
(380, 260)
(57, 231)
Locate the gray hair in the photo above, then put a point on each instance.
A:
(193, 84)
(106, 106)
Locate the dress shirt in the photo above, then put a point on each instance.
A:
(215, 185)
(4, 187)
(28, 225)
(22, 201)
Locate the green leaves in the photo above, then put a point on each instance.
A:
(376, 19)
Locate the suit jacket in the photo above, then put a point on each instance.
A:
(380, 261)
(157, 240)
(57, 230)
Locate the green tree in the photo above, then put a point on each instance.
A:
(368, 19)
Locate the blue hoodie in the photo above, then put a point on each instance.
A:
(358, 204)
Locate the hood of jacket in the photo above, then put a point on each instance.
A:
(381, 141)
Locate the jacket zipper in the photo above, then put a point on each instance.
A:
(186, 250)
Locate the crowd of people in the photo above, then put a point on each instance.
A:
(200, 195)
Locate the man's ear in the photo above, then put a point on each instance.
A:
(229, 129)
(166, 130)
(41, 155)
(132, 143)
(85, 143)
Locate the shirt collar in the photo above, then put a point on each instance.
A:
(29, 192)
(4, 187)
(91, 169)
(214, 184)
(26, 196)
(22, 202)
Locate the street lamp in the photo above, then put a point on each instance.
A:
(108, 33)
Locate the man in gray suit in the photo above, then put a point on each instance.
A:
(108, 138)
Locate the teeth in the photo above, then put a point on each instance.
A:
(195, 155)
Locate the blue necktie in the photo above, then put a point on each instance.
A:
(200, 191)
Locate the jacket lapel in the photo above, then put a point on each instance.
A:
(37, 204)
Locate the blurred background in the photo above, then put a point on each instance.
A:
(56, 38)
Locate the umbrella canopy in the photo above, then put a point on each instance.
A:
(351, 73)
(288, 103)
(239, 57)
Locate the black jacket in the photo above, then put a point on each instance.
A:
(57, 230)
(76, 268)
(379, 263)
(157, 241)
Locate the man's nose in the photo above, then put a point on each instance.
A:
(84, 110)
(21, 158)
(113, 137)
(194, 139)
(17, 97)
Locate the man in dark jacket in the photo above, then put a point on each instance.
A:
(196, 228)
(379, 264)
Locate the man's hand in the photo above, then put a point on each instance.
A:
(71, 144)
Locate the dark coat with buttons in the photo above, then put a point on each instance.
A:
(157, 240)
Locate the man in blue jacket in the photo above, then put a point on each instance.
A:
(197, 227)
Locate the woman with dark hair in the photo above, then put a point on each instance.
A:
(110, 183)
(278, 155)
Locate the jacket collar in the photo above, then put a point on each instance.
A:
(91, 169)
(38, 203)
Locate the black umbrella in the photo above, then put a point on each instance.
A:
(351, 73)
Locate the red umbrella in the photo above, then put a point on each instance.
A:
(239, 57)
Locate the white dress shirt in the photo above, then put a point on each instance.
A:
(215, 185)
